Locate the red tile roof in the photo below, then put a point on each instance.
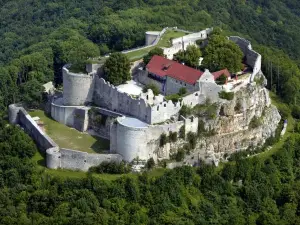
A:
(162, 67)
(219, 73)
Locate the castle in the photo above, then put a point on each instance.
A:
(135, 121)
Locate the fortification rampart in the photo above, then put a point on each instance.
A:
(193, 37)
(78, 87)
(56, 157)
(132, 139)
(253, 58)
(18, 115)
(108, 96)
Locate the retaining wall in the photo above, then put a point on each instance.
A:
(253, 58)
(76, 160)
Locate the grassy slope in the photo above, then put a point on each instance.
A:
(290, 128)
(163, 42)
(67, 137)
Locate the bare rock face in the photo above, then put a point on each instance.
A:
(246, 121)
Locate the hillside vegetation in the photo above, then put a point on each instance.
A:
(37, 37)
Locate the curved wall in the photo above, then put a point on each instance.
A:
(151, 37)
(78, 88)
(131, 141)
(53, 158)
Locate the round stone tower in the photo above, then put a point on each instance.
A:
(53, 158)
(131, 138)
(151, 36)
(78, 88)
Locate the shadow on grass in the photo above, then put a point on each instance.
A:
(42, 162)
(101, 145)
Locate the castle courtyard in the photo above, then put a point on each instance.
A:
(70, 138)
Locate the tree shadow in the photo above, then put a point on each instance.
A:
(101, 145)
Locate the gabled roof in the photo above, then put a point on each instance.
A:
(217, 74)
(162, 67)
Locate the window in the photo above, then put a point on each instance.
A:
(157, 108)
(165, 105)
(184, 84)
(196, 94)
(147, 97)
(180, 82)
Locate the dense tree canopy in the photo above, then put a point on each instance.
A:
(116, 69)
(190, 56)
(77, 50)
(221, 53)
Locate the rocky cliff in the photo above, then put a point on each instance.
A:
(246, 121)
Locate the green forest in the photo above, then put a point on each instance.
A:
(38, 37)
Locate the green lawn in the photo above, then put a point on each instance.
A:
(70, 138)
(163, 42)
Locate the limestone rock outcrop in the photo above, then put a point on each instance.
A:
(246, 121)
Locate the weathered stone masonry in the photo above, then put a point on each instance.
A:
(56, 157)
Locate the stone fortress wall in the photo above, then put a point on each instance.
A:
(108, 96)
(56, 157)
(182, 43)
(143, 140)
(253, 58)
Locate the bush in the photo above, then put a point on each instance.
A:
(185, 111)
(182, 91)
(259, 80)
(255, 122)
(192, 139)
(174, 98)
(221, 79)
(173, 136)
(201, 127)
(150, 163)
(179, 155)
(163, 140)
(111, 168)
(182, 132)
(226, 95)
(153, 87)
(284, 111)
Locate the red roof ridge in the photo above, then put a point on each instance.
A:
(174, 69)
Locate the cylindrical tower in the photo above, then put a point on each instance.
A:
(151, 37)
(131, 138)
(53, 158)
(78, 88)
